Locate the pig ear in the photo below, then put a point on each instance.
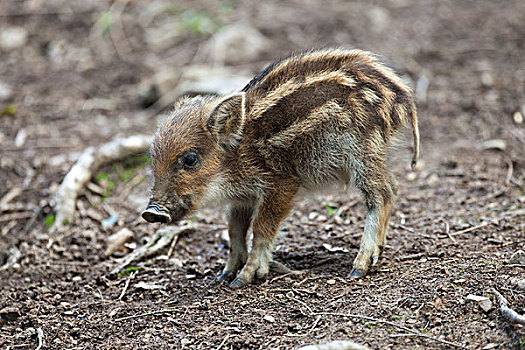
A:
(226, 122)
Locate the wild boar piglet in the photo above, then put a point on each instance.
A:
(306, 122)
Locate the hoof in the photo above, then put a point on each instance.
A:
(237, 284)
(355, 274)
(225, 276)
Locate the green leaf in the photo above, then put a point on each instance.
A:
(49, 221)
(331, 210)
(9, 110)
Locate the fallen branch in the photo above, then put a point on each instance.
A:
(161, 239)
(507, 313)
(88, 162)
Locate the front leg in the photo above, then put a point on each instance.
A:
(272, 210)
(239, 219)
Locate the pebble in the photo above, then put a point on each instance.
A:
(269, 318)
(485, 305)
(9, 313)
(518, 258)
(496, 144)
(5, 91)
(13, 38)
(518, 117)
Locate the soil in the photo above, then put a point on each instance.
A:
(458, 219)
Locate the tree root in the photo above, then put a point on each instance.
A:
(88, 162)
(507, 313)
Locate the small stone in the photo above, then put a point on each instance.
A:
(496, 144)
(461, 280)
(13, 38)
(330, 282)
(322, 218)
(485, 305)
(518, 117)
(9, 313)
(411, 176)
(77, 279)
(490, 346)
(269, 318)
(518, 258)
(21, 137)
(5, 91)
(312, 216)
(521, 284)
(113, 312)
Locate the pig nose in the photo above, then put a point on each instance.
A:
(156, 213)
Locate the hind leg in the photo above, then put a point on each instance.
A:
(384, 218)
(379, 199)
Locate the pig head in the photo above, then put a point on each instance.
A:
(187, 151)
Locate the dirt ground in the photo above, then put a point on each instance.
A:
(74, 77)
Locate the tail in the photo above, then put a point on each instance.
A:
(415, 134)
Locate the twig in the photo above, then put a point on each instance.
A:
(172, 245)
(40, 338)
(158, 241)
(368, 318)
(472, 228)
(302, 303)
(335, 345)
(116, 33)
(509, 314)
(447, 231)
(126, 285)
(17, 216)
(510, 169)
(315, 324)
(223, 342)
(159, 312)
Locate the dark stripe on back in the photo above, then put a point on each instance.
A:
(295, 107)
(268, 79)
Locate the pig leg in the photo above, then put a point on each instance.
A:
(384, 218)
(272, 210)
(239, 219)
(379, 197)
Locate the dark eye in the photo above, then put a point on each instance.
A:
(189, 160)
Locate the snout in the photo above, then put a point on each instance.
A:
(156, 213)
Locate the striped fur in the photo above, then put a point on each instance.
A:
(307, 121)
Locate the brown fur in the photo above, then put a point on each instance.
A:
(306, 121)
